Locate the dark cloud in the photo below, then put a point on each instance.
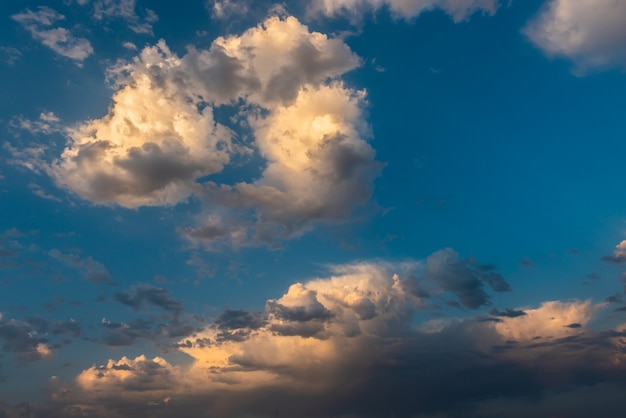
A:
(466, 279)
(31, 339)
(508, 313)
(159, 297)
(236, 319)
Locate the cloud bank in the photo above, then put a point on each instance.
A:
(348, 345)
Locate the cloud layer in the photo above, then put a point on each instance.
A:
(347, 345)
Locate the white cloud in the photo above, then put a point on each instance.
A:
(159, 137)
(150, 147)
(459, 10)
(58, 39)
(318, 165)
(47, 123)
(551, 320)
(591, 33)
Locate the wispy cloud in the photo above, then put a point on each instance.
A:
(58, 39)
(459, 10)
(126, 10)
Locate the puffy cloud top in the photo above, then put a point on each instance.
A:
(589, 32)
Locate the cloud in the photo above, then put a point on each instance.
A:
(319, 167)
(551, 320)
(159, 297)
(126, 10)
(150, 147)
(47, 124)
(464, 278)
(619, 255)
(346, 345)
(10, 54)
(459, 10)
(591, 33)
(508, 312)
(58, 39)
(89, 268)
(160, 141)
(30, 340)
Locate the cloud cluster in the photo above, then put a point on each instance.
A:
(30, 339)
(60, 40)
(347, 345)
(459, 10)
(591, 33)
(160, 138)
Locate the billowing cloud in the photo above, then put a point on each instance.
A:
(591, 33)
(152, 145)
(160, 139)
(459, 10)
(58, 39)
(319, 167)
(346, 345)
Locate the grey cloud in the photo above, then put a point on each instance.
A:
(126, 10)
(507, 313)
(459, 10)
(89, 268)
(464, 278)
(159, 297)
(234, 319)
(58, 39)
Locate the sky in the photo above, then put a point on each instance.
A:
(307, 209)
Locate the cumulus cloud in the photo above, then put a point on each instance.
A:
(591, 33)
(619, 254)
(58, 39)
(150, 147)
(160, 140)
(459, 10)
(346, 345)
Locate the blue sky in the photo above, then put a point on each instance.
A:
(355, 208)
